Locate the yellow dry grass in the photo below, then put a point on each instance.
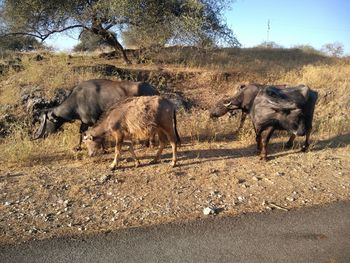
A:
(330, 77)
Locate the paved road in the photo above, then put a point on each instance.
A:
(319, 234)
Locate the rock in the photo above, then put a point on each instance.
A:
(67, 203)
(215, 192)
(268, 180)
(279, 174)
(33, 230)
(7, 203)
(256, 178)
(209, 211)
(241, 181)
(49, 217)
(240, 199)
(291, 199)
(105, 178)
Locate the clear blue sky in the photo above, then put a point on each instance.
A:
(292, 22)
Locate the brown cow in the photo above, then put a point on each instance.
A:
(136, 118)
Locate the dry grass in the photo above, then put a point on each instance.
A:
(19, 148)
(331, 78)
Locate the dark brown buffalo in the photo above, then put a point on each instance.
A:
(242, 100)
(136, 118)
(88, 101)
(245, 99)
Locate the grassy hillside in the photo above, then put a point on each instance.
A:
(202, 76)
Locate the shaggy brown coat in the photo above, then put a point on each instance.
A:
(136, 118)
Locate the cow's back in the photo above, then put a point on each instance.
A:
(140, 115)
(97, 95)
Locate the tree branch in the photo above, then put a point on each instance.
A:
(43, 37)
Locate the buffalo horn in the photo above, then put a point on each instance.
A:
(227, 104)
(41, 130)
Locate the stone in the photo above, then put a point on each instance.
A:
(105, 178)
(209, 211)
(240, 199)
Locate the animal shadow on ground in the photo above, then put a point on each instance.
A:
(334, 142)
(276, 150)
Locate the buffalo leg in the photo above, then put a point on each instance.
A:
(172, 138)
(289, 144)
(306, 143)
(131, 150)
(162, 141)
(265, 141)
(243, 117)
(83, 128)
(118, 148)
(258, 141)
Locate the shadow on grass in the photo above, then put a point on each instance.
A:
(275, 150)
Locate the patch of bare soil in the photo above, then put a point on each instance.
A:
(72, 197)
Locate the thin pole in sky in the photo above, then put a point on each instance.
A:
(268, 31)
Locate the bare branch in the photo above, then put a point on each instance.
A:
(43, 37)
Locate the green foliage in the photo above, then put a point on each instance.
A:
(146, 23)
(20, 43)
(89, 42)
(269, 44)
(308, 49)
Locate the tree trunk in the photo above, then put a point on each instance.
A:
(111, 40)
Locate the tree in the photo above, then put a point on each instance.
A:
(269, 44)
(171, 21)
(335, 49)
(89, 42)
(20, 43)
(308, 49)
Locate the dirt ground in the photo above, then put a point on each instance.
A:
(64, 196)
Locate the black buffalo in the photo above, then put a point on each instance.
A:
(88, 101)
(243, 100)
(289, 109)
(285, 103)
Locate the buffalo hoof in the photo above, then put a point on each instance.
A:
(77, 148)
(289, 145)
(304, 148)
(137, 164)
(173, 164)
(263, 158)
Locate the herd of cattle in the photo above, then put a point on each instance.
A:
(134, 110)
